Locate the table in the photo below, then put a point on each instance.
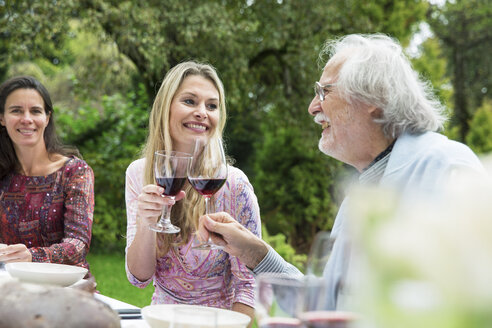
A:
(119, 305)
(114, 303)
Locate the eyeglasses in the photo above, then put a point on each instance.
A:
(321, 90)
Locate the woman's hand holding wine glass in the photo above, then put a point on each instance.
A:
(207, 173)
(170, 169)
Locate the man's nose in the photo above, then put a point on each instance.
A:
(315, 106)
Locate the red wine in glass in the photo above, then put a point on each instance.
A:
(207, 173)
(328, 319)
(206, 187)
(170, 169)
(279, 322)
(172, 186)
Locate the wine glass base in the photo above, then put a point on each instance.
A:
(164, 229)
(207, 247)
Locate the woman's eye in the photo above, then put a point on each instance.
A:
(212, 106)
(189, 101)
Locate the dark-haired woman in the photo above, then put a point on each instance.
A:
(46, 190)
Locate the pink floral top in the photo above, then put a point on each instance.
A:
(188, 276)
(51, 215)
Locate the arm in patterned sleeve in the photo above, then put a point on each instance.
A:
(133, 187)
(78, 194)
(247, 212)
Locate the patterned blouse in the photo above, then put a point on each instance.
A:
(188, 276)
(51, 215)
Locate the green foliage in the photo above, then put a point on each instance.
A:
(431, 64)
(284, 249)
(451, 131)
(480, 136)
(31, 29)
(109, 141)
(295, 179)
(98, 68)
(397, 18)
(464, 29)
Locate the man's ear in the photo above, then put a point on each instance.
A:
(375, 112)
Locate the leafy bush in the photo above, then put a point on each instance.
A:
(109, 140)
(294, 182)
(284, 249)
(479, 137)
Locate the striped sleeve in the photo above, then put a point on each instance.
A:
(274, 263)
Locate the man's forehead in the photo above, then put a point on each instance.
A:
(332, 67)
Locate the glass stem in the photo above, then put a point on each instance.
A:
(166, 215)
(207, 209)
(207, 212)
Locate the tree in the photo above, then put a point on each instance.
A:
(431, 64)
(465, 30)
(295, 182)
(480, 136)
(109, 142)
(31, 29)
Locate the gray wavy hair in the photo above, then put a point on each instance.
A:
(376, 72)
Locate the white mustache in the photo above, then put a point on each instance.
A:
(319, 118)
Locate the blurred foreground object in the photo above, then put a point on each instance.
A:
(30, 305)
(424, 261)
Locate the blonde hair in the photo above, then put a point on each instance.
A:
(185, 213)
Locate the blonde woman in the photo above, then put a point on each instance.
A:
(190, 104)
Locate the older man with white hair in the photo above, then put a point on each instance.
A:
(378, 116)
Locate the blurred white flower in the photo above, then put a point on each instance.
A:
(426, 261)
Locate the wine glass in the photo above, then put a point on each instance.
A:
(207, 173)
(319, 254)
(170, 173)
(314, 308)
(278, 299)
(329, 319)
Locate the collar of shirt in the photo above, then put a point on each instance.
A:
(374, 171)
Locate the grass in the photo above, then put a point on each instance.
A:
(109, 271)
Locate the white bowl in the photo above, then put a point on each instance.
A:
(46, 273)
(161, 316)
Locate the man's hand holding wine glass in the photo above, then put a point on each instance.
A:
(233, 237)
